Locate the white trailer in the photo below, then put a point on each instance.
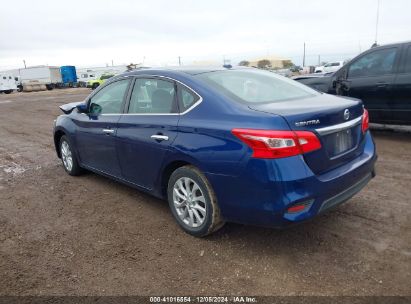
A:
(7, 83)
(40, 77)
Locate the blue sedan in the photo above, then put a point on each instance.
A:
(221, 145)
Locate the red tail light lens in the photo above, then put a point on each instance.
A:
(365, 121)
(278, 144)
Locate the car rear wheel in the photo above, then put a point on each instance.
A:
(68, 158)
(193, 202)
(94, 86)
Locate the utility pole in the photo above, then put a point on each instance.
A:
(304, 56)
(24, 61)
(376, 23)
(179, 60)
(112, 62)
(319, 59)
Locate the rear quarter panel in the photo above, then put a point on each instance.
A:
(205, 136)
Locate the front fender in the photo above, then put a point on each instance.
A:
(64, 126)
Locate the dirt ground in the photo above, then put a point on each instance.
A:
(63, 235)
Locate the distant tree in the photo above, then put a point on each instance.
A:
(131, 66)
(287, 64)
(244, 63)
(264, 64)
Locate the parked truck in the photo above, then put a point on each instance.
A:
(18, 83)
(69, 76)
(7, 83)
(40, 78)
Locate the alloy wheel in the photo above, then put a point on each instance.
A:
(189, 202)
(66, 156)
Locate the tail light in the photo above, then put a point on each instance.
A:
(278, 144)
(365, 121)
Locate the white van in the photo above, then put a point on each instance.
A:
(7, 83)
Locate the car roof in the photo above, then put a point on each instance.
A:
(190, 70)
(391, 44)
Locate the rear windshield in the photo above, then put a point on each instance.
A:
(256, 86)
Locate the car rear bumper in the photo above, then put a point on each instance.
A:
(265, 190)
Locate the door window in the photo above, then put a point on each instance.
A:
(375, 63)
(153, 96)
(109, 99)
(407, 67)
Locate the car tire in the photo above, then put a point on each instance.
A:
(68, 157)
(8, 91)
(196, 210)
(95, 86)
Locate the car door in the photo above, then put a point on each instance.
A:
(145, 133)
(96, 130)
(371, 78)
(401, 104)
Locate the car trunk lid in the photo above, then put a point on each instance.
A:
(335, 120)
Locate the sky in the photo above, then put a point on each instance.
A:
(96, 33)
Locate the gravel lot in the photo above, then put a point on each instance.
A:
(63, 235)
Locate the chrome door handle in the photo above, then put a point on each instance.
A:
(108, 131)
(159, 137)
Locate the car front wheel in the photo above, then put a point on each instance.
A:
(68, 158)
(193, 202)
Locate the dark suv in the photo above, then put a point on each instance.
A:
(380, 77)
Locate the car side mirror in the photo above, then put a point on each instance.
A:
(345, 85)
(82, 108)
(95, 109)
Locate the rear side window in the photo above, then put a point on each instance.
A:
(187, 98)
(407, 67)
(153, 96)
(376, 63)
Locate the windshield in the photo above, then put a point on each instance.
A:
(256, 86)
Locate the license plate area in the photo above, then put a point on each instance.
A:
(342, 141)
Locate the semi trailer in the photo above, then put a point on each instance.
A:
(40, 78)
